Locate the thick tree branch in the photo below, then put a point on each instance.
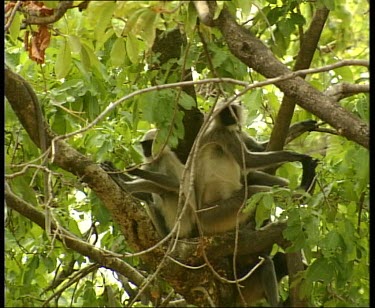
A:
(308, 46)
(256, 55)
(169, 44)
(342, 90)
(280, 130)
(71, 241)
(126, 211)
(250, 242)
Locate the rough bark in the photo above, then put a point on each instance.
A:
(251, 51)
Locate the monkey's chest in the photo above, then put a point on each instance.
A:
(220, 175)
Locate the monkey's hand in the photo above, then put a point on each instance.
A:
(309, 165)
(297, 129)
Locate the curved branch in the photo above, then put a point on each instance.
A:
(135, 225)
(256, 55)
(71, 241)
(125, 210)
(59, 12)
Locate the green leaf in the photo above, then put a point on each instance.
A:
(346, 73)
(63, 60)
(59, 122)
(75, 43)
(148, 19)
(85, 58)
(21, 187)
(132, 21)
(263, 211)
(100, 14)
(14, 28)
(51, 4)
(274, 14)
(330, 4)
(118, 52)
(49, 263)
(186, 101)
(297, 19)
(286, 26)
(73, 227)
(132, 48)
(29, 273)
(320, 270)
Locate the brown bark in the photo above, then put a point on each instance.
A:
(251, 51)
(308, 46)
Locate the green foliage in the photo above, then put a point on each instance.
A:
(102, 54)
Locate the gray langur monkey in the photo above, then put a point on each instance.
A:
(224, 160)
(203, 10)
(166, 203)
(159, 176)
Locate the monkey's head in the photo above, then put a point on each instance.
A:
(232, 115)
(147, 141)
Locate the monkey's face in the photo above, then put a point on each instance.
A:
(147, 148)
(230, 115)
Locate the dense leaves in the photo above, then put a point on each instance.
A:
(101, 53)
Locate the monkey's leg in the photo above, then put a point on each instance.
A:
(265, 179)
(163, 180)
(159, 183)
(157, 219)
(259, 160)
(120, 178)
(308, 175)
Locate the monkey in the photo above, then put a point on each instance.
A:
(224, 160)
(160, 176)
(203, 10)
(220, 170)
(167, 163)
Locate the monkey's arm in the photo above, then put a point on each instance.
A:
(159, 184)
(157, 219)
(270, 159)
(120, 178)
(164, 180)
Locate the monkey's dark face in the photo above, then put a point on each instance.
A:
(147, 147)
(229, 116)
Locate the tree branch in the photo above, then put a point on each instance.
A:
(105, 259)
(59, 12)
(305, 55)
(342, 90)
(256, 55)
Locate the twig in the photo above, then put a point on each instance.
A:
(13, 13)
(247, 86)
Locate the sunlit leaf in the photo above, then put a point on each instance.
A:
(75, 43)
(14, 28)
(118, 52)
(132, 48)
(63, 60)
